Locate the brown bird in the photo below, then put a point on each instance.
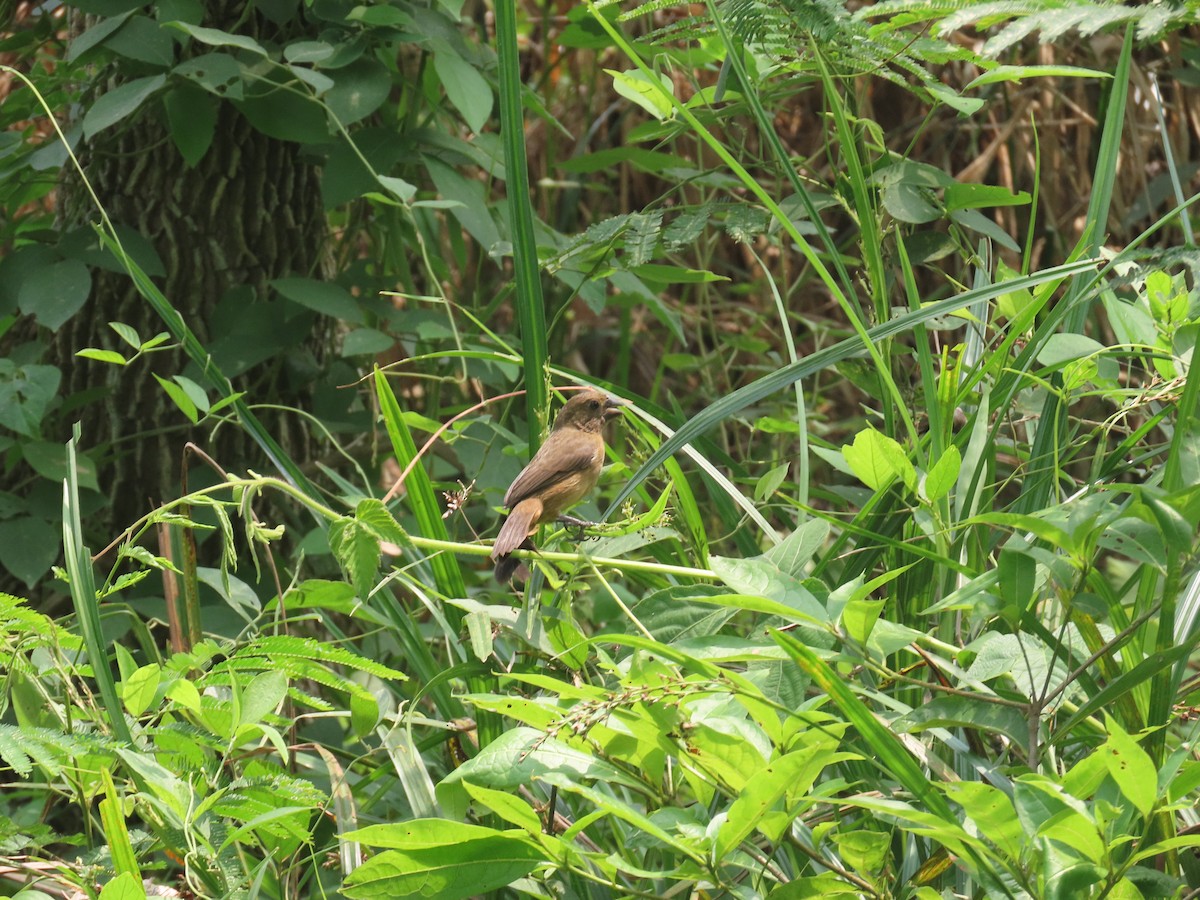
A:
(560, 474)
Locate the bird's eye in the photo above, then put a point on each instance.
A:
(594, 404)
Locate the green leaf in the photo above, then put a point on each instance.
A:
(759, 576)
(653, 161)
(26, 393)
(381, 15)
(474, 212)
(448, 871)
(967, 712)
(942, 475)
(510, 808)
(975, 196)
(286, 116)
(359, 89)
(1131, 768)
(358, 553)
(663, 274)
(877, 460)
(28, 547)
(127, 334)
(122, 101)
(216, 38)
(399, 187)
(95, 35)
(467, 89)
(770, 481)
(366, 342)
(324, 297)
(1017, 73)
(792, 774)
(261, 696)
(179, 397)
(637, 87)
(217, 73)
(909, 203)
(125, 886)
(49, 459)
(308, 52)
(137, 691)
(374, 516)
(992, 812)
(143, 40)
(55, 292)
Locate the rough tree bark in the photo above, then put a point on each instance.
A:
(248, 212)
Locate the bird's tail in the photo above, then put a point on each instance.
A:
(514, 533)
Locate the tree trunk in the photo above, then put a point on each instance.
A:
(250, 211)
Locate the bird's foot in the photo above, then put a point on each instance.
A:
(576, 526)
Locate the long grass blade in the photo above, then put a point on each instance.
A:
(531, 307)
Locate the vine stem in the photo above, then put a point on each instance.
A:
(258, 482)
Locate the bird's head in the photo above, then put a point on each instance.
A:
(588, 410)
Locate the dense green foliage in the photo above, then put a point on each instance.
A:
(893, 592)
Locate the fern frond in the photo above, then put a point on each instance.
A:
(23, 746)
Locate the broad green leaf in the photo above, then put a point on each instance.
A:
(992, 812)
(373, 515)
(359, 89)
(909, 203)
(50, 460)
(422, 834)
(308, 52)
(125, 886)
(795, 552)
(793, 773)
(448, 872)
(967, 712)
(122, 101)
(192, 119)
(978, 196)
(127, 334)
(877, 460)
(324, 297)
(770, 481)
(653, 161)
(216, 73)
(637, 87)
(399, 187)
(179, 397)
(1130, 767)
(55, 292)
(865, 851)
(366, 342)
(1041, 802)
(25, 394)
(942, 475)
(762, 577)
(28, 547)
(137, 691)
(515, 758)
(467, 89)
(261, 696)
(509, 807)
(285, 115)
(664, 274)
(357, 551)
(1018, 73)
(214, 37)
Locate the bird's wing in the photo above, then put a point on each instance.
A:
(553, 462)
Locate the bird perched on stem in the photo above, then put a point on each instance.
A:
(560, 474)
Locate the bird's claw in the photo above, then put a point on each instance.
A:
(577, 526)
